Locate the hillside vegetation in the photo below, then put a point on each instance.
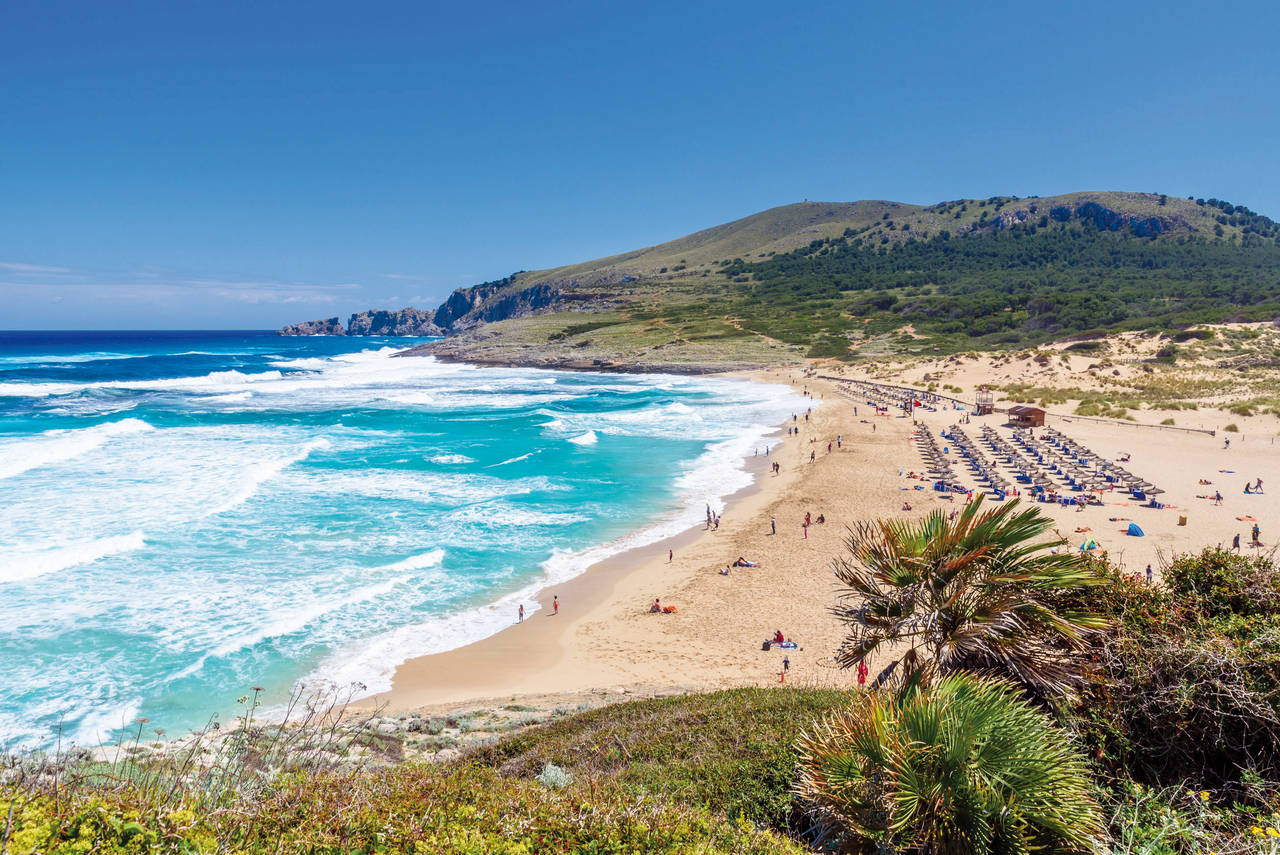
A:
(829, 279)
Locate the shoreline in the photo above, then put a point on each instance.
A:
(597, 643)
(587, 591)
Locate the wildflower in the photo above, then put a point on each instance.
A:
(1204, 795)
(1255, 831)
(1273, 832)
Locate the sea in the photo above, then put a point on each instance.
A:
(186, 515)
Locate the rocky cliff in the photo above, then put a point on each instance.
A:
(406, 322)
(464, 309)
(331, 326)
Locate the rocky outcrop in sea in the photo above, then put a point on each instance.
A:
(330, 326)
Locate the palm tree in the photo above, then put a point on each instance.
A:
(961, 766)
(977, 593)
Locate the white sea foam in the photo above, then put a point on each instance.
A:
(260, 473)
(451, 459)
(55, 446)
(19, 566)
(588, 438)
(300, 617)
(372, 662)
(424, 561)
(230, 398)
(69, 358)
(97, 723)
(513, 460)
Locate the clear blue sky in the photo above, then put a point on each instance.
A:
(189, 164)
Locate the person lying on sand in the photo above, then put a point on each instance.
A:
(742, 562)
(726, 571)
(1205, 482)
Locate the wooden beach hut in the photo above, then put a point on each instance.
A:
(1023, 416)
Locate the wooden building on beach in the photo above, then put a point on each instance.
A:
(1023, 416)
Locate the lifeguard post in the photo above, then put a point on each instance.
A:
(986, 402)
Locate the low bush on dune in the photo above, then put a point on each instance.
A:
(733, 749)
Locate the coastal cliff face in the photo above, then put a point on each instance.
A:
(406, 322)
(469, 308)
(331, 326)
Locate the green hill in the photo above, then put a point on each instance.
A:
(830, 279)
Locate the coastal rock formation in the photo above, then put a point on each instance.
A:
(406, 322)
(330, 326)
(466, 309)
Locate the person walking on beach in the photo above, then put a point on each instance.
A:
(671, 553)
(1257, 535)
(1235, 543)
(555, 605)
(839, 437)
(773, 525)
(520, 617)
(786, 663)
(805, 528)
(1148, 574)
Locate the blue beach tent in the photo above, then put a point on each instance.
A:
(1134, 531)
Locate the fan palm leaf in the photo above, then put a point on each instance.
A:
(975, 593)
(959, 766)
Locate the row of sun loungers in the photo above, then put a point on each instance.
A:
(1081, 463)
(890, 397)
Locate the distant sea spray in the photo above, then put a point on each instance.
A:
(188, 514)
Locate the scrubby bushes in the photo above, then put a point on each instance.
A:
(1185, 689)
(406, 809)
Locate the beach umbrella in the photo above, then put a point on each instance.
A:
(1089, 545)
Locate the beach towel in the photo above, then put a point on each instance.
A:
(1247, 518)
(1134, 530)
(783, 645)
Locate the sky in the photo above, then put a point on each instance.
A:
(241, 165)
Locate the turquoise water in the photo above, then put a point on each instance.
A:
(185, 515)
